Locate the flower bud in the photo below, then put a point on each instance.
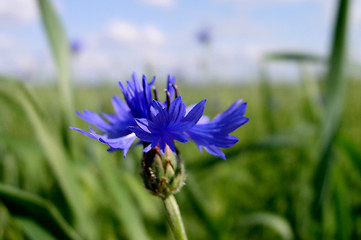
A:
(163, 175)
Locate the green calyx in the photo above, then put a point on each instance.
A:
(163, 175)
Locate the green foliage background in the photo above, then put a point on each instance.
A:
(295, 173)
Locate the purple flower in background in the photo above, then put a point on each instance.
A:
(159, 124)
(76, 46)
(204, 36)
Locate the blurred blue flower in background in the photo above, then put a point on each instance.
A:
(158, 124)
(76, 46)
(204, 35)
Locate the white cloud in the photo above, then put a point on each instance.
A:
(119, 48)
(26, 65)
(122, 32)
(18, 11)
(356, 13)
(154, 35)
(19, 59)
(258, 3)
(92, 64)
(6, 42)
(160, 3)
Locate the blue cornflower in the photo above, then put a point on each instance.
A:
(204, 36)
(76, 46)
(158, 124)
(167, 124)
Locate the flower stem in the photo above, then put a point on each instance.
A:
(174, 218)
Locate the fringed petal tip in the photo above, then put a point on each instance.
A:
(121, 143)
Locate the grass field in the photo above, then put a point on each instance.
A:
(265, 173)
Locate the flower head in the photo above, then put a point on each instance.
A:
(204, 35)
(76, 46)
(167, 124)
(159, 124)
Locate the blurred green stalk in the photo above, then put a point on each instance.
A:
(59, 45)
(174, 218)
(335, 91)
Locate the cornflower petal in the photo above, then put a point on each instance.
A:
(193, 116)
(177, 110)
(143, 124)
(159, 113)
(170, 143)
(120, 107)
(170, 86)
(147, 92)
(148, 148)
(94, 119)
(216, 151)
(179, 136)
(140, 133)
(137, 96)
(88, 134)
(214, 134)
(123, 143)
(115, 143)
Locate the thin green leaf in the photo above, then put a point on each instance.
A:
(334, 96)
(56, 156)
(342, 208)
(199, 205)
(352, 150)
(267, 101)
(293, 56)
(61, 52)
(268, 143)
(32, 230)
(147, 204)
(27, 205)
(272, 221)
(124, 208)
(312, 95)
(60, 48)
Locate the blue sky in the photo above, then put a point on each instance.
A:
(159, 36)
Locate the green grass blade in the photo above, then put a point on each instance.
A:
(352, 150)
(312, 95)
(272, 221)
(123, 207)
(60, 48)
(334, 81)
(268, 143)
(199, 206)
(61, 53)
(146, 203)
(342, 208)
(293, 56)
(267, 101)
(24, 204)
(32, 230)
(56, 156)
(334, 96)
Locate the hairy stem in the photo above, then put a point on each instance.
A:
(174, 218)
